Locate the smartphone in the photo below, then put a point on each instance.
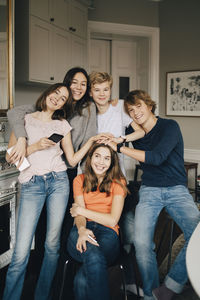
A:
(55, 137)
(90, 237)
(25, 164)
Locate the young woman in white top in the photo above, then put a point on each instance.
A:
(45, 181)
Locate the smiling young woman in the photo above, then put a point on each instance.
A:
(99, 198)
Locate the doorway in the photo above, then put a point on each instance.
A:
(147, 53)
(126, 58)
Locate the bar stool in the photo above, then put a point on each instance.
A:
(188, 166)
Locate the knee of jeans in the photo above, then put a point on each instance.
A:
(52, 246)
(19, 259)
(142, 244)
(94, 256)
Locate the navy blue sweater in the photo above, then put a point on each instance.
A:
(164, 162)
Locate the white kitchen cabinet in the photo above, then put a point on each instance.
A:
(67, 14)
(40, 51)
(44, 51)
(40, 9)
(79, 51)
(78, 19)
(62, 54)
(52, 11)
(49, 51)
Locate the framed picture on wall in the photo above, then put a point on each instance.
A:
(183, 93)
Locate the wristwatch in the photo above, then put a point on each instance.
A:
(119, 147)
(124, 138)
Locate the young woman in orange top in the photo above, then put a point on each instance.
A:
(99, 198)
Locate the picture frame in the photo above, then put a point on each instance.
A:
(183, 93)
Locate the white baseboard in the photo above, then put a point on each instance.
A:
(193, 156)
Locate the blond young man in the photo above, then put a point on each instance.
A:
(111, 116)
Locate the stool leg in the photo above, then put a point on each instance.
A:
(170, 245)
(123, 281)
(63, 279)
(196, 184)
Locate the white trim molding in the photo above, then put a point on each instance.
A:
(193, 156)
(153, 33)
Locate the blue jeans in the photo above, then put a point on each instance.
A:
(52, 188)
(91, 280)
(180, 206)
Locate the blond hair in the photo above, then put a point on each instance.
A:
(100, 77)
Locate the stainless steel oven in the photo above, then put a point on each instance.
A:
(8, 201)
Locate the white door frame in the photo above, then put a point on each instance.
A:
(153, 33)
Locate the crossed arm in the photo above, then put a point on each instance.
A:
(80, 213)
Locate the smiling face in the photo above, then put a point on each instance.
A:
(140, 112)
(100, 92)
(101, 161)
(78, 86)
(57, 99)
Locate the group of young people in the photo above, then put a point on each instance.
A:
(93, 129)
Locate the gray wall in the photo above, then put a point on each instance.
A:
(179, 24)
(180, 50)
(136, 12)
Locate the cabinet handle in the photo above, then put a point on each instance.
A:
(72, 29)
(52, 78)
(52, 19)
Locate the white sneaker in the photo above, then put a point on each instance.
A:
(132, 288)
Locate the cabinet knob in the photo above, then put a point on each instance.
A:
(52, 19)
(52, 78)
(72, 29)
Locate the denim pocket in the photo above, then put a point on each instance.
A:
(28, 183)
(61, 175)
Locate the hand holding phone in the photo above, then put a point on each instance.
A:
(25, 164)
(55, 137)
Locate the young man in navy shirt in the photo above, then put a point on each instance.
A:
(164, 185)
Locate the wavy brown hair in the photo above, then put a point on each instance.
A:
(40, 105)
(133, 98)
(113, 174)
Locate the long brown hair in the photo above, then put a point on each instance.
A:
(76, 107)
(113, 174)
(40, 105)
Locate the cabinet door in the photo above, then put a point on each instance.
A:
(78, 19)
(40, 9)
(79, 51)
(59, 10)
(40, 51)
(62, 52)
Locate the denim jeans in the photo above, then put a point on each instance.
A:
(52, 188)
(91, 280)
(180, 206)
